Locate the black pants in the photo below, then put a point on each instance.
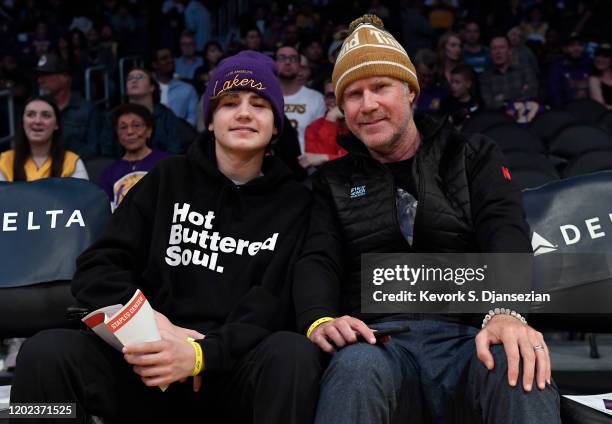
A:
(276, 382)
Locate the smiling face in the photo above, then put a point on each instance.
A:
(51, 84)
(132, 132)
(39, 122)
(378, 110)
(243, 122)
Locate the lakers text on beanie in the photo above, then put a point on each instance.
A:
(371, 51)
(246, 71)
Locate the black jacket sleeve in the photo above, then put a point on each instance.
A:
(497, 206)
(320, 268)
(109, 271)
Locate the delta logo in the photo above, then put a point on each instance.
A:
(571, 235)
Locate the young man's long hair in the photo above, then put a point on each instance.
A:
(23, 150)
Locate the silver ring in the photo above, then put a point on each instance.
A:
(538, 346)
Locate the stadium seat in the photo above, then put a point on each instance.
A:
(572, 217)
(594, 161)
(576, 273)
(578, 139)
(529, 160)
(546, 125)
(46, 225)
(484, 120)
(511, 137)
(586, 111)
(605, 122)
(531, 178)
(96, 165)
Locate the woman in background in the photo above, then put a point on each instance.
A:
(39, 146)
(168, 134)
(133, 124)
(449, 53)
(600, 82)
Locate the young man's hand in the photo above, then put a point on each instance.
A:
(164, 361)
(163, 323)
(520, 341)
(341, 332)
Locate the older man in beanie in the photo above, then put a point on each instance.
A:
(411, 184)
(210, 238)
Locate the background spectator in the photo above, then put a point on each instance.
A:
(430, 82)
(302, 104)
(534, 26)
(521, 54)
(39, 146)
(322, 134)
(600, 83)
(172, 23)
(463, 100)
(133, 124)
(168, 134)
(251, 39)
(213, 52)
(449, 53)
(568, 78)
(198, 22)
(474, 53)
(201, 76)
(305, 73)
(81, 120)
(505, 82)
(179, 96)
(416, 30)
(188, 62)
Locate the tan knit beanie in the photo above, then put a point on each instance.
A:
(370, 51)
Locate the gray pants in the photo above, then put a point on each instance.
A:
(429, 375)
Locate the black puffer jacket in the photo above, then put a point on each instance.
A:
(465, 205)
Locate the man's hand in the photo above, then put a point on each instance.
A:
(341, 332)
(307, 160)
(162, 362)
(519, 341)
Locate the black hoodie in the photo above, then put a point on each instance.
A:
(210, 255)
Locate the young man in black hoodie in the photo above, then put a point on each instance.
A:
(210, 239)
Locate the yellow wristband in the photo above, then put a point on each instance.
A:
(199, 362)
(316, 324)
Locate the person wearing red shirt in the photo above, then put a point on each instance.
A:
(322, 134)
